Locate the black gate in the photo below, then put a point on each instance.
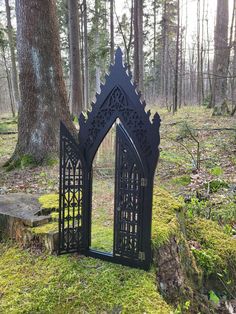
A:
(137, 141)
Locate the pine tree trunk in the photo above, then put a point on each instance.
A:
(14, 73)
(75, 65)
(43, 93)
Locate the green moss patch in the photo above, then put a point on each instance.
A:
(49, 201)
(182, 180)
(69, 284)
(217, 253)
(164, 221)
(47, 228)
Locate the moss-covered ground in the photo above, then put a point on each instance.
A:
(73, 284)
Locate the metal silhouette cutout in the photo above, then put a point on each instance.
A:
(137, 142)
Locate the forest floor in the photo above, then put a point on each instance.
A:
(197, 165)
(190, 139)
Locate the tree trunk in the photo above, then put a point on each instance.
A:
(136, 43)
(9, 84)
(112, 48)
(234, 66)
(208, 58)
(97, 44)
(75, 66)
(43, 93)
(86, 67)
(14, 74)
(199, 88)
(202, 53)
(140, 38)
(220, 65)
(175, 106)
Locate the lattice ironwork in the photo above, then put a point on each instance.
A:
(129, 199)
(71, 195)
(136, 158)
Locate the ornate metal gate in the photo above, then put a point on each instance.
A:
(137, 154)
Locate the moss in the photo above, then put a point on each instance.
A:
(172, 157)
(164, 222)
(21, 162)
(102, 237)
(8, 125)
(217, 255)
(47, 228)
(49, 201)
(51, 160)
(164, 225)
(68, 284)
(27, 161)
(183, 180)
(216, 171)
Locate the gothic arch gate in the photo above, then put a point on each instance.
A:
(137, 141)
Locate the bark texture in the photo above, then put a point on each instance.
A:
(43, 93)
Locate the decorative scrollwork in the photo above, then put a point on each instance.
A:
(117, 103)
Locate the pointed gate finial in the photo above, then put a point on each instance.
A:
(118, 56)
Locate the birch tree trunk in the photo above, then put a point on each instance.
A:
(43, 93)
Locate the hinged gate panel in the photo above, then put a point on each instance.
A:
(71, 195)
(129, 199)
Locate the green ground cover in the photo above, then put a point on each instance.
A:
(71, 284)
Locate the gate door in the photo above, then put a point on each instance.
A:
(129, 201)
(71, 200)
(137, 153)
